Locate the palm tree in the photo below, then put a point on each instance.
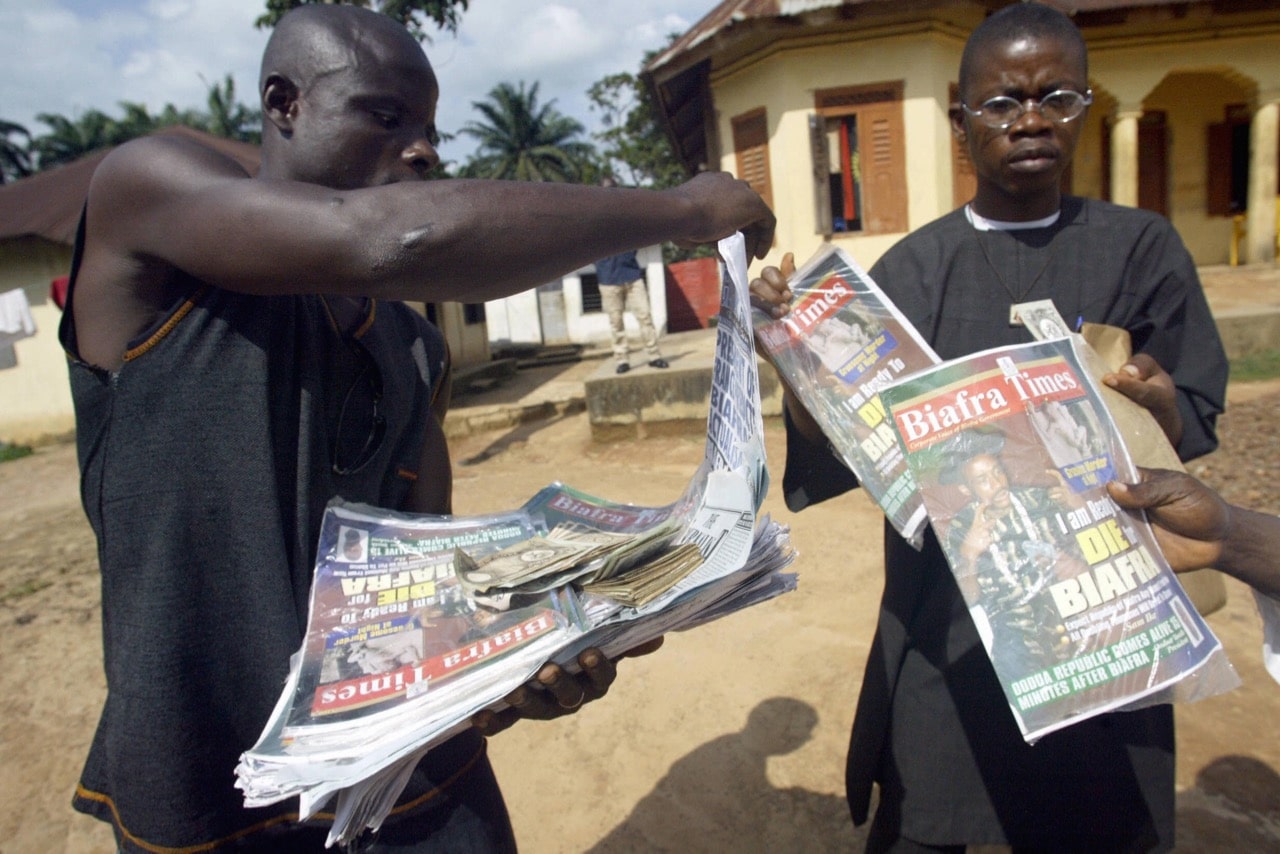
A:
(171, 115)
(137, 121)
(523, 141)
(70, 140)
(15, 157)
(230, 119)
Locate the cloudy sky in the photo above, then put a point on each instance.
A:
(69, 56)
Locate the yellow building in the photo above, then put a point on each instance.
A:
(836, 112)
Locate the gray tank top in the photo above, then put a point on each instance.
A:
(206, 462)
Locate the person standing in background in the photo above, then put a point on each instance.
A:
(622, 289)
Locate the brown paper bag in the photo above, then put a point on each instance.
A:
(1148, 446)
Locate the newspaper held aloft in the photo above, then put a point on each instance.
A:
(841, 343)
(735, 426)
(1078, 611)
(417, 622)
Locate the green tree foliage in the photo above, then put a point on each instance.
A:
(414, 14)
(634, 143)
(228, 118)
(635, 147)
(13, 452)
(15, 154)
(70, 139)
(521, 140)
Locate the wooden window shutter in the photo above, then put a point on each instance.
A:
(884, 167)
(1217, 184)
(1153, 162)
(751, 149)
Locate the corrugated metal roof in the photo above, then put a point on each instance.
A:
(48, 203)
(720, 18)
(730, 12)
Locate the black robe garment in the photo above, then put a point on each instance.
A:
(932, 725)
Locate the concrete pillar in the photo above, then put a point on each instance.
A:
(1124, 157)
(1260, 217)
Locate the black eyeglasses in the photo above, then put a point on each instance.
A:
(1002, 111)
(360, 404)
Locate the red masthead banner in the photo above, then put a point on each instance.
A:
(983, 398)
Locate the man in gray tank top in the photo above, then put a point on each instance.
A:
(238, 358)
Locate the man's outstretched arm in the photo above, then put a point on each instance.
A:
(164, 208)
(174, 201)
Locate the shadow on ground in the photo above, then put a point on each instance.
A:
(723, 790)
(1234, 806)
(516, 435)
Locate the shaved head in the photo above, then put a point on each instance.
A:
(348, 100)
(1032, 21)
(314, 41)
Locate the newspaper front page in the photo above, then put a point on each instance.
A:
(389, 621)
(393, 646)
(841, 343)
(1079, 613)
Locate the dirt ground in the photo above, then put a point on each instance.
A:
(732, 737)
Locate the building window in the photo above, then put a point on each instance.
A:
(1227, 184)
(472, 313)
(590, 293)
(859, 161)
(751, 150)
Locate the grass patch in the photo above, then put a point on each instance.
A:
(1256, 366)
(12, 452)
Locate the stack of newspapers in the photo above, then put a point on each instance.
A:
(418, 622)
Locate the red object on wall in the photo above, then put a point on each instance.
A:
(693, 294)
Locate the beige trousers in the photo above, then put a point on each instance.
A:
(632, 297)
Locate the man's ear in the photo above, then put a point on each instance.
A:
(280, 101)
(956, 113)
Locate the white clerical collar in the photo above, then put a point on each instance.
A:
(981, 223)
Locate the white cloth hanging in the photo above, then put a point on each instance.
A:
(16, 321)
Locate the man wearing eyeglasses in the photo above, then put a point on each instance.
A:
(933, 728)
(239, 358)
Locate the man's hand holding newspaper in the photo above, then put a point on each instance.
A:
(554, 692)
